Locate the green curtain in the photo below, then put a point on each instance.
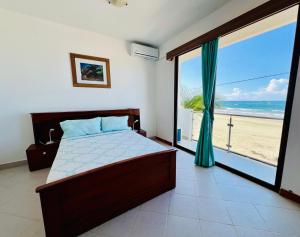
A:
(204, 153)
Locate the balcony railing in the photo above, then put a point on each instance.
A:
(251, 136)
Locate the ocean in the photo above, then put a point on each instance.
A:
(273, 109)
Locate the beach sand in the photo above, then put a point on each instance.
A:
(254, 137)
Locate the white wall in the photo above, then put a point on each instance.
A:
(165, 69)
(291, 172)
(185, 116)
(165, 99)
(35, 76)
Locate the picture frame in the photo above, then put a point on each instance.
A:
(90, 71)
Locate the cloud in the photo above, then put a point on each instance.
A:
(236, 92)
(275, 90)
(277, 86)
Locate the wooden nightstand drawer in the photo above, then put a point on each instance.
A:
(41, 156)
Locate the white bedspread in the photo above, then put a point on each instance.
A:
(81, 154)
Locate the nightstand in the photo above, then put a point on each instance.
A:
(142, 132)
(41, 156)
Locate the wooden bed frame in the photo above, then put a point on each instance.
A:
(83, 201)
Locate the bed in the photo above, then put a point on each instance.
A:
(85, 187)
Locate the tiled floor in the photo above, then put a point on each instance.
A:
(206, 203)
(246, 165)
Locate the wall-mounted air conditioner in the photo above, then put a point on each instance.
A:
(145, 52)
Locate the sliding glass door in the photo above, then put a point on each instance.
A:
(251, 91)
(253, 72)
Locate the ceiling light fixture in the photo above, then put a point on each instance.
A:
(118, 3)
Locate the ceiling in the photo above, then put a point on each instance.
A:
(152, 22)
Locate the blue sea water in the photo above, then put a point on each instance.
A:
(274, 109)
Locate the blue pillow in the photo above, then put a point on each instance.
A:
(81, 127)
(113, 123)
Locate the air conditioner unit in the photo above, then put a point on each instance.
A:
(145, 52)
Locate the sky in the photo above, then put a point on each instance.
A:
(266, 54)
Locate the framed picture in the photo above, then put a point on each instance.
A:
(89, 71)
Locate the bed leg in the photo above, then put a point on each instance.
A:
(51, 214)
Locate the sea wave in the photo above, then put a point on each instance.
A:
(270, 109)
(251, 113)
(278, 110)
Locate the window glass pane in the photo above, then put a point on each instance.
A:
(251, 89)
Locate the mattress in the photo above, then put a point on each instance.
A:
(77, 155)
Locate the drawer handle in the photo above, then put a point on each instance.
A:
(44, 153)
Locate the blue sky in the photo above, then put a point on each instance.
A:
(265, 54)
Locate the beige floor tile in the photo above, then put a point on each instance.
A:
(120, 226)
(245, 215)
(208, 188)
(225, 177)
(280, 220)
(14, 226)
(237, 193)
(182, 227)
(210, 209)
(36, 230)
(186, 174)
(159, 204)
(183, 205)
(25, 205)
(5, 196)
(272, 199)
(149, 224)
(186, 187)
(213, 229)
(245, 232)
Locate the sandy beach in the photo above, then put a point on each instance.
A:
(254, 137)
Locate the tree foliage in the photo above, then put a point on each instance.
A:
(195, 103)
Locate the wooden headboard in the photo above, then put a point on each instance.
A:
(43, 122)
